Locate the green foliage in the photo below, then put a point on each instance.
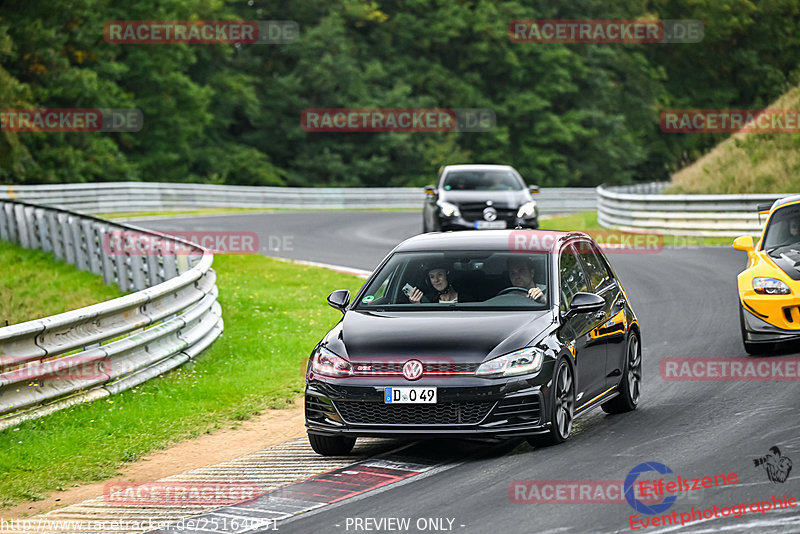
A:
(567, 114)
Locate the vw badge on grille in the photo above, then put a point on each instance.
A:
(490, 214)
(412, 369)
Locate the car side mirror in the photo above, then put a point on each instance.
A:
(743, 243)
(584, 303)
(339, 299)
(430, 189)
(533, 189)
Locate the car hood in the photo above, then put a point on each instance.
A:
(463, 336)
(501, 198)
(789, 261)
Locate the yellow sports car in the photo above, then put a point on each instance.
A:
(769, 288)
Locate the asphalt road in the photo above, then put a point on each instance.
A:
(686, 304)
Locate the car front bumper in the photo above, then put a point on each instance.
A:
(757, 330)
(459, 223)
(465, 407)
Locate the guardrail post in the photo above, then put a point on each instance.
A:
(93, 249)
(55, 234)
(80, 239)
(4, 231)
(153, 275)
(123, 273)
(137, 271)
(22, 229)
(67, 238)
(44, 232)
(107, 263)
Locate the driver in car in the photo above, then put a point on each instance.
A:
(794, 228)
(520, 272)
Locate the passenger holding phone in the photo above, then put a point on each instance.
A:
(438, 278)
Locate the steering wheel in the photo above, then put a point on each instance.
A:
(512, 288)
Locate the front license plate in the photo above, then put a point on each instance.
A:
(490, 225)
(409, 395)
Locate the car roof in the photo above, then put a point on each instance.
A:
(478, 167)
(483, 240)
(785, 200)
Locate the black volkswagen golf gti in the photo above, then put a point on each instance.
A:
(476, 334)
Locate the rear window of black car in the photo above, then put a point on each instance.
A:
(475, 280)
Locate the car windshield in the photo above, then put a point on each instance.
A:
(461, 280)
(482, 181)
(783, 228)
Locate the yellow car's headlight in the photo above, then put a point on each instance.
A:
(770, 286)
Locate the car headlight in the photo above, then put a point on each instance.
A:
(770, 286)
(527, 210)
(327, 363)
(448, 209)
(520, 362)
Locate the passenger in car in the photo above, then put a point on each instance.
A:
(441, 289)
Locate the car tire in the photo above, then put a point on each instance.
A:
(561, 408)
(331, 445)
(749, 346)
(425, 226)
(630, 387)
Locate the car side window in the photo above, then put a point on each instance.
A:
(571, 277)
(593, 264)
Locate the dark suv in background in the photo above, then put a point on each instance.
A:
(479, 197)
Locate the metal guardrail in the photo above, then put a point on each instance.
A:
(114, 197)
(643, 207)
(54, 362)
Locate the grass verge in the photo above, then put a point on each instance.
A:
(274, 313)
(35, 285)
(747, 162)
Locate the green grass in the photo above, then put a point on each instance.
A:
(587, 222)
(34, 285)
(274, 312)
(747, 162)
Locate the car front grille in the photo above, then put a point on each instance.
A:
(373, 413)
(474, 212)
(442, 367)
